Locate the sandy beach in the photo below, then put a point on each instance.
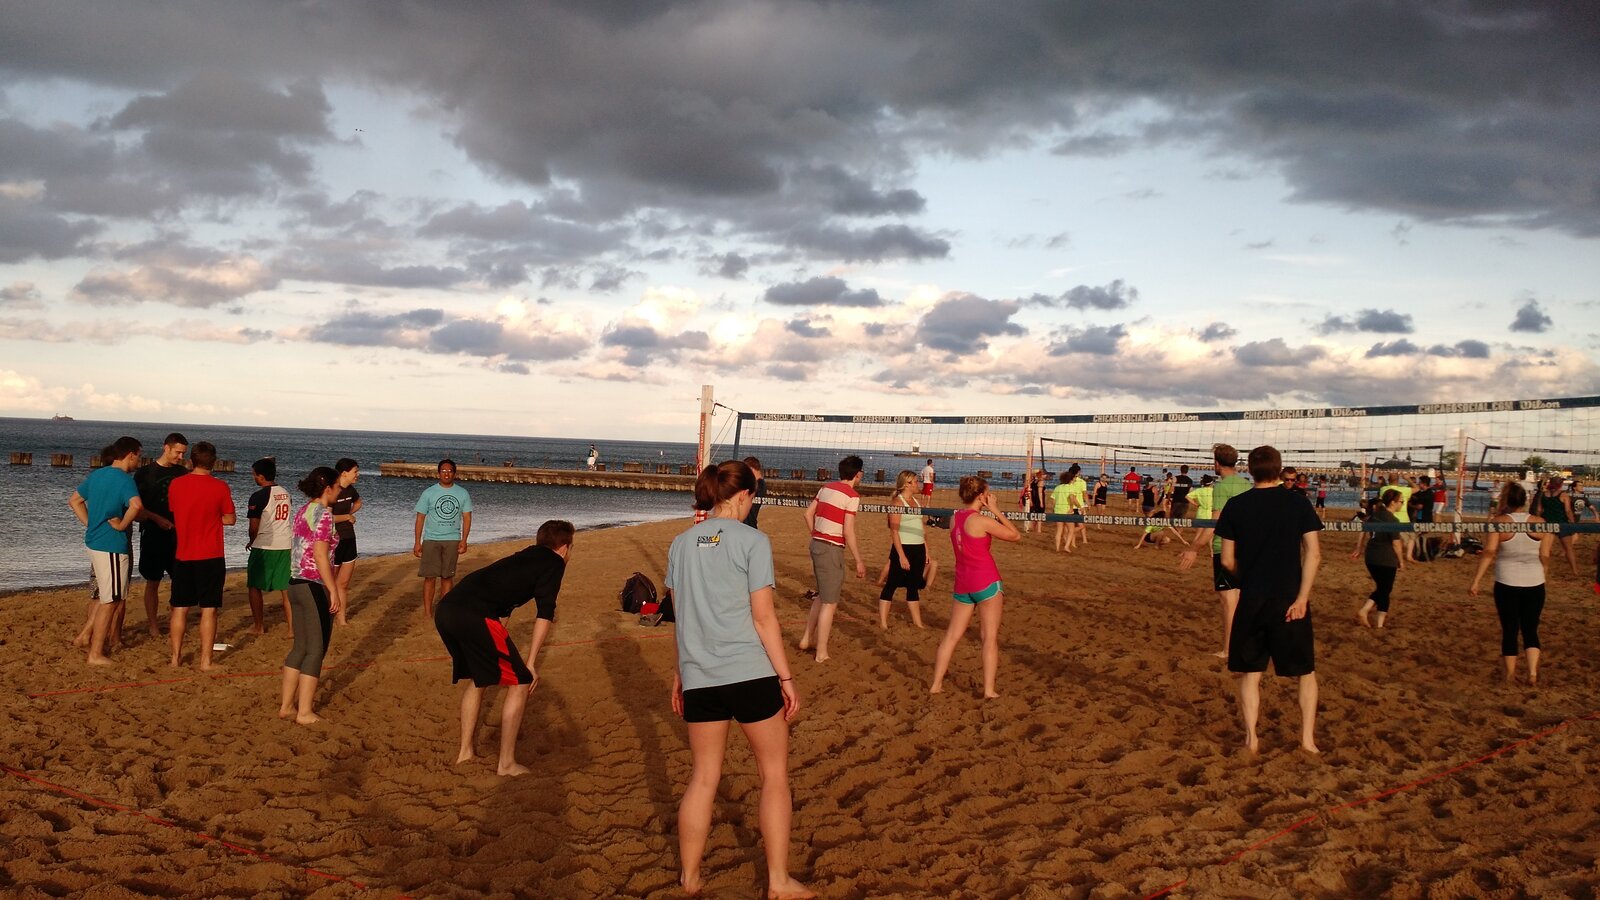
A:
(1109, 768)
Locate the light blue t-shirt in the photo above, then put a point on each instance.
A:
(107, 492)
(712, 569)
(444, 507)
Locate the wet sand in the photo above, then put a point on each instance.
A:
(1109, 768)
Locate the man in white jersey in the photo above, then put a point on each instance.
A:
(271, 538)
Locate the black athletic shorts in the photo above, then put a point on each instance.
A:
(198, 582)
(158, 548)
(480, 648)
(346, 551)
(1260, 634)
(744, 702)
(1180, 509)
(1220, 579)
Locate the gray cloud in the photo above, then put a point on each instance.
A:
(821, 291)
(28, 231)
(1377, 321)
(1531, 318)
(805, 329)
(642, 343)
(1098, 340)
(359, 328)
(1275, 353)
(1115, 295)
(20, 295)
(1465, 349)
(730, 265)
(476, 337)
(1218, 331)
(962, 323)
(1400, 347)
(875, 244)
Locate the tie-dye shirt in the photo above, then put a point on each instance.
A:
(314, 523)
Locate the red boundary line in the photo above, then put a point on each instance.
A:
(197, 835)
(360, 665)
(1384, 795)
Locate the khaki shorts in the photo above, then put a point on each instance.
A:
(438, 559)
(827, 561)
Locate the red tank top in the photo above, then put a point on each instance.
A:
(975, 568)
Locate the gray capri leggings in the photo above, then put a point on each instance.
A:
(308, 601)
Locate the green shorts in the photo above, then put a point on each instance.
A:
(978, 596)
(267, 570)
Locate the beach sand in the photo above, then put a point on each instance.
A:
(1109, 768)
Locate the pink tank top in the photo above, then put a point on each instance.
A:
(975, 568)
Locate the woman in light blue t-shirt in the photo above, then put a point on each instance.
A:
(731, 665)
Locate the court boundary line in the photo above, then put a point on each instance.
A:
(1330, 811)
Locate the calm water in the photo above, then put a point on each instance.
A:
(41, 542)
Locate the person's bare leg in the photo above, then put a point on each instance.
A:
(152, 606)
(97, 635)
(1511, 667)
(427, 597)
(916, 612)
(208, 636)
(807, 637)
(1250, 708)
(114, 629)
(1569, 544)
(177, 621)
(286, 697)
(342, 574)
(1366, 609)
(1061, 533)
(82, 640)
(1379, 618)
(471, 703)
(257, 612)
(824, 628)
(960, 618)
(288, 616)
(1083, 533)
(708, 741)
(305, 690)
(883, 614)
(1308, 712)
(511, 710)
(989, 612)
(769, 743)
(1230, 605)
(1533, 665)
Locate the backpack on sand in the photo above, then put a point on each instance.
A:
(636, 592)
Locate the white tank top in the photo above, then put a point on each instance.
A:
(1516, 563)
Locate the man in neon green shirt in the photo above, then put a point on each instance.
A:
(1229, 484)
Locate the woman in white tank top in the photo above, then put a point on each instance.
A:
(1520, 560)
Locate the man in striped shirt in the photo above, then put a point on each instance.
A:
(832, 520)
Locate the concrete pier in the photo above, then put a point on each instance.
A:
(626, 479)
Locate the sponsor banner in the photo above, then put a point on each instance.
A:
(1325, 412)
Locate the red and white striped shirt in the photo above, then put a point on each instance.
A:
(836, 500)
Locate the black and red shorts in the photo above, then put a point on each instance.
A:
(480, 648)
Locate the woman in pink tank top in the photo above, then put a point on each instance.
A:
(977, 580)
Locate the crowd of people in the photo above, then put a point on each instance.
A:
(730, 661)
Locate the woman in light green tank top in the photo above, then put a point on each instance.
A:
(909, 566)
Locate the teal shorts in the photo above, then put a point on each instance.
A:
(267, 570)
(978, 596)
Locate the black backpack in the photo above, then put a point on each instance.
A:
(636, 592)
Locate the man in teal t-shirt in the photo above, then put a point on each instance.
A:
(1229, 484)
(107, 502)
(444, 519)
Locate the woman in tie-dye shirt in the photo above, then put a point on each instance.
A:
(314, 595)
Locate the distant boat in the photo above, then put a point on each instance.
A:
(62, 419)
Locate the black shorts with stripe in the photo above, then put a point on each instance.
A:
(480, 648)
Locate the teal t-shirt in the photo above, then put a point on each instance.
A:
(711, 570)
(107, 492)
(1225, 489)
(443, 507)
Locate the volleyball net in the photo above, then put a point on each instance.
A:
(1345, 452)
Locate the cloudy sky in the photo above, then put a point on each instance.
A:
(562, 217)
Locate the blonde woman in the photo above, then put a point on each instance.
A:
(909, 565)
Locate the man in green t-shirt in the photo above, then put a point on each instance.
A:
(1229, 484)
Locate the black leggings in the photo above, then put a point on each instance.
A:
(1383, 583)
(313, 626)
(1519, 609)
(910, 579)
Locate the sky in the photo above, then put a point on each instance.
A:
(562, 218)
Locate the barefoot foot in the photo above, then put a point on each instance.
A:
(513, 770)
(991, 696)
(789, 889)
(463, 757)
(691, 884)
(1310, 747)
(307, 719)
(936, 689)
(285, 713)
(99, 661)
